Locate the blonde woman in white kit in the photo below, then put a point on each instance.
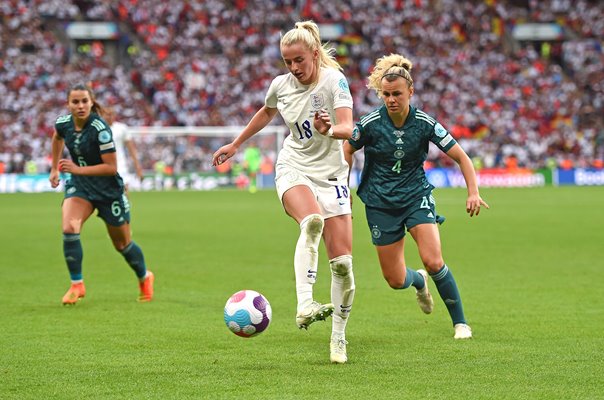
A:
(311, 173)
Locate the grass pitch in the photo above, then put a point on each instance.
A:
(529, 270)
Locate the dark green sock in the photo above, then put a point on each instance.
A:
(72, 251)
(447, 288)
(412, 278)
(134, 256)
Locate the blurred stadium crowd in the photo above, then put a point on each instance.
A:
(209, 63)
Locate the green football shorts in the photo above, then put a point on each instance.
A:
(388, 226)
(115, 212)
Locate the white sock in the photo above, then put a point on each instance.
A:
(144, 277)
(342, 292)
(306, 258)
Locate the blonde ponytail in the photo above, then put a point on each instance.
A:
(307, 32)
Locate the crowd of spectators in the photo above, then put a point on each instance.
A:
(209, 63)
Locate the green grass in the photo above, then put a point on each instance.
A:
(530, 273)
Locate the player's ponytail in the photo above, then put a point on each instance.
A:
(307, 32)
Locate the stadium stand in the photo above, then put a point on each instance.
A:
(208, 63)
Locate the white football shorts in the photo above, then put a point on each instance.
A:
(332, 194)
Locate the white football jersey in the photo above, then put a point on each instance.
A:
(305, 148)
(120, 136)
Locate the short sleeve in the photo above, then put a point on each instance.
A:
(341, 92)
(271, 96)
(104, 136)
(359, 137)
(60, 124)
(105, 140)
(60, 131)
(442, 138)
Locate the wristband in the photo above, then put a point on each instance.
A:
(330, 131)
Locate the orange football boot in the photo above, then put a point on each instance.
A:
(75, 293)
(146, 287)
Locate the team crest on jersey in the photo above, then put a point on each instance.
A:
(292, 176)
(104, 136)
(398, 134)
(398, 154)
(440, 130)
(317, 101)
(375, 232)
(356, 133)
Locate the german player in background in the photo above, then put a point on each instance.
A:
(311, 174)
(124, 145)
(93, 184)
(396, 192)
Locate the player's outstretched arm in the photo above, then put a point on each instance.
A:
(258, 121)
(474, 202)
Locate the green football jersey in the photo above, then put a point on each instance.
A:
(253, 158)
(393, 175)
(86, 147)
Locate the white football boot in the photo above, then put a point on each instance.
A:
(313, 312)
(424, 298)
(337, 350)
(463, 331)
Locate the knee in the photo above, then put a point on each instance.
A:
(341, 265)
(312, 225)
(72, 226)
(120, 245)
(433, 264)
(311, 229)
(395, 282)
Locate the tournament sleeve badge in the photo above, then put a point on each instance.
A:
(104, 136)
(440, 130)
(105, 140)
(442, 133)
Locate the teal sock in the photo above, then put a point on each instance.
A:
(413, 278)
(134, 256)
(72, 251)
(447, 288)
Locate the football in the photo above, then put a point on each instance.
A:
(247, 313)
